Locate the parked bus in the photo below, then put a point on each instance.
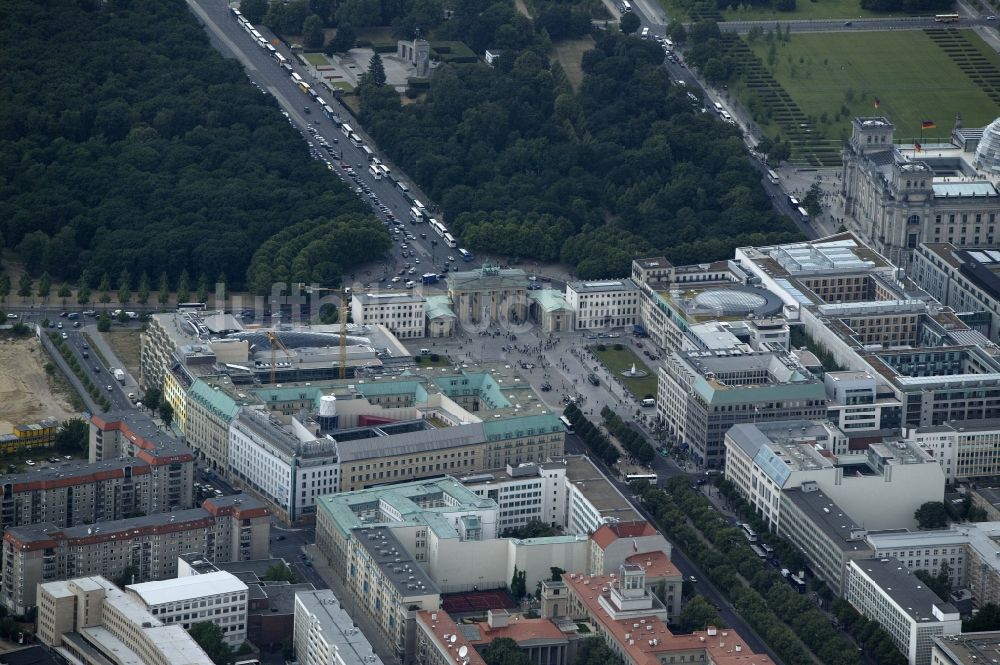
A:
(803, 214)
(368, 153)
(313, 93)
(270, 49)
(450, 240)
(946, 18)
(384, 169)
(465, 254)
(416, 215)
(768, 550)
(355, 140)
(305, 87)
(248, 27)
(648, 477)
(346, 130)
(749, 533)
(295, 78)
(320, 101)
(567, 425)
(772, 176)
(236, 12)
(718, 108)
(758, 551)
(278, 58)
(794, 202)
(402, 187)
(327, 111)
(438, 227)
(375, 171)
(418, 204)
(199, 306)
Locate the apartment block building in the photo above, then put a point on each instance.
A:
(151, 474)
(966, 450)
(390, 587)
(701, 394)
(219, 598)
(402, 314)
(880, 486)
(325, 633)
(885, 591)
(610, 303)
(91, 621)
(965, 649)
(230, 528)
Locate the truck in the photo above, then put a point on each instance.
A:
(120, 376)
(429, 278)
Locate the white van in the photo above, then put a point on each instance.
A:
(645, 33)
(410, 284)
(425, 352)
(648, 402)
(718, 108)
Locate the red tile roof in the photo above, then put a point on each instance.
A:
(644, 639)
(439, 624)
(520, 630)
(656, 565)
(609, 533)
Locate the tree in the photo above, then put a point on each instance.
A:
(44, 286)
(714, 70)
(595, 651)
(629, 23)
(328, 314)
(556, 573)
(122, 316)
(105, 288)
(343, 41)
(151, 398)
(24, 286)
(64, 293)
(988, 618)
(220, 287)
(210, 638)
(184, 286)
(203, 288)
(104, 322)
(253, 10)
(677, 32)
(166, 413)
(279, 572)
(518, 586)
(312, 32)
(164, 288)
(4, 286)
(376, 70)
(504, 651)
(697, 614)
(940, 583)
(129, 575)
(275, 16)
(73, 436)
(811, 201)
(931, 515)
(142, 297)
(83, 290)
(124, 287)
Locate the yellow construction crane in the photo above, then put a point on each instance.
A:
(276, 343)
(343, 333)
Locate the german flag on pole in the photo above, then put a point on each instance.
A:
(927, 124)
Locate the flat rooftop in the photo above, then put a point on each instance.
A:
(602, 286)
(417, 502)
(829, 518)
(905, 588)
(186, 588)
(605, 497)
(396, 564)
(970, 648)
(337, 627)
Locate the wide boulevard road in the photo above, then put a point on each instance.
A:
(232, 40)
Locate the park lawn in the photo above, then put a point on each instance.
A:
(804, 10)
(616, 361)
(912, 76)
(316, 59)
(569, 53)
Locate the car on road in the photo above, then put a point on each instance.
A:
(692, 579)
(12, 316)
(63, 315)
(279, 538)
(546, 387)
(110, 388)
(65, 336)
(592, 378)
(847, 24)
(59, 325)
(97, 368)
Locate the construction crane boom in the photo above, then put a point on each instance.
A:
(276, 343)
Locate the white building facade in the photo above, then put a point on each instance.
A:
(401, 313)
(325, 633)
(604, 304)
(220, 598)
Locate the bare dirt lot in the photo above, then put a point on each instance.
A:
(26, 392)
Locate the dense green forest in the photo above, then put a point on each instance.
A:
(524, 166)
(127, 141)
